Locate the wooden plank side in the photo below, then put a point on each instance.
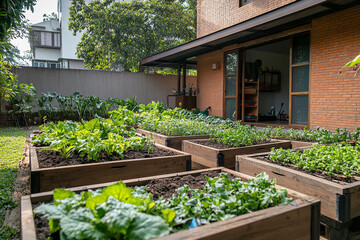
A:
(283, 222)
(34, 163)
(322, 189)
(290, 221)
(170, 141)
(354, 205)
(204, 155)
(300, 144)
(209, 156)
(110, 171)
(46, 179)
(27, 223)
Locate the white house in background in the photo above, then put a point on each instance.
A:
(53, 44)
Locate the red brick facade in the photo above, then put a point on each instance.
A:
(210, 82)
(214, 15)
(334, 99)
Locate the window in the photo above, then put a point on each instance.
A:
(41, 64)
(50, 39)
(244, 2)
(36, 64)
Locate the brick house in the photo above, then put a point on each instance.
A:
(263, 61)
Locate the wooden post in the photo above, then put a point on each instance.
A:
(184, 76)
(179, 79)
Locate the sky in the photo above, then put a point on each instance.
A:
(42, 7)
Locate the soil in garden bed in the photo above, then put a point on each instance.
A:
(165, 187)
(337, 178)
(217, 145)
(49, 159)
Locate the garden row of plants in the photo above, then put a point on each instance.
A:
(340, 159)
(180, 122)
(119, 212)
(89, 138)
(24, 105)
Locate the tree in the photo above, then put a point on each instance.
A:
(49, 17)
(12, 23)
(120, 34)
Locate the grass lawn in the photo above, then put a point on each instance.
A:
(12, 142)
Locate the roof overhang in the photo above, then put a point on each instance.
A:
(292, 15)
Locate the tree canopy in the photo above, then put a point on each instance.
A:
(119, 34)
(51, 16)
(12, 23)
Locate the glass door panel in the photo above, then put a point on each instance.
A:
(231, 86)
(299, 83)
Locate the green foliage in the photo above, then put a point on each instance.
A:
(118, 34)
(222, 198)
(90, 138)
(118, 212)
(239, 136)
(12, 142)
(56, 106)
(331, 159)
(354, 62)
(7, 79)
(320, 135)
(51, 16)
(12, 22)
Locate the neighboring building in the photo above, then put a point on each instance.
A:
(53, 44)
(45, 43)
(255, 57)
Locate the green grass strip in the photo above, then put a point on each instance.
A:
(12, 142)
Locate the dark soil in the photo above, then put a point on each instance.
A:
(41, 225)
(49, 159)
(216, 145)
(166, 187)
(209, 143)
(159, 187)
(337, 178)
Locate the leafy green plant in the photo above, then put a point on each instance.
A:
(320, 135)
(341, 159)
(89, 138)
(239, 136)
(118, 212)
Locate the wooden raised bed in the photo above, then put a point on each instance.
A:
(298, 220)
(202, 155)
(340, 202)
(47, 179)
(170, 141)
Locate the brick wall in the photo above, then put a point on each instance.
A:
(214, 15)
(335, 99)
(210, 82)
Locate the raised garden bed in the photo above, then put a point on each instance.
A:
(298, 220)
(207, 154)
(170, 141)
(340, 200)
(49, 178)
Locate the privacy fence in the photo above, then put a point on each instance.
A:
(103, 84)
